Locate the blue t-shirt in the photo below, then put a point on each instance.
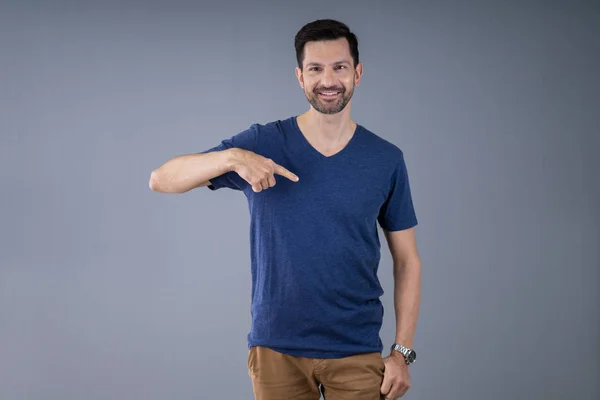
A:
(314, 243)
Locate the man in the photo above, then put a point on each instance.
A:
(316, 313)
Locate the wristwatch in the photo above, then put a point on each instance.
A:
(409, 355)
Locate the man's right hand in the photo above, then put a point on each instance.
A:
(257, 170)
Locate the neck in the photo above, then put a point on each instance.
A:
(327, 128)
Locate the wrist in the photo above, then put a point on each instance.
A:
(409, 355)
(398, 356)
(232, 158)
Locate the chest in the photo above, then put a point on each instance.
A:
(343, 189)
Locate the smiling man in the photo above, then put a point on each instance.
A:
(315, 249)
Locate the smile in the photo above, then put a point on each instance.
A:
(329, 94)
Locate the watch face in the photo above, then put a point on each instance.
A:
(412, 356)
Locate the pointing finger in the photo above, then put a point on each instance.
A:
(284, 172)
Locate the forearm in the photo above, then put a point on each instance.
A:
(407, 293)
(182, 173)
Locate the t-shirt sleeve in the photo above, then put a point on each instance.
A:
(246, 140)
(398, 213)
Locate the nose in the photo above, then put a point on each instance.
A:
(328, 79)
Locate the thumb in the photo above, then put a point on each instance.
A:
(386, 385)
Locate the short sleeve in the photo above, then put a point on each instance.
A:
(246, 140)
(398, 213)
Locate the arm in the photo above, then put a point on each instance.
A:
(183, 173)
(407, 283)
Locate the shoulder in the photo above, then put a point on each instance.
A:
(385, 150)
(270, 132)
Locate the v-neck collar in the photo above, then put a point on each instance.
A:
(312, 149)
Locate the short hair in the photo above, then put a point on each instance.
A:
(324, 29)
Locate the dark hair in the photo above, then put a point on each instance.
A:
(324, 29)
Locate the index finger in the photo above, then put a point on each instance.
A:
(284, 172)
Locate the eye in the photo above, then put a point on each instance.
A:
(313, 68)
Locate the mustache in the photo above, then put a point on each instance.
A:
(331, 89)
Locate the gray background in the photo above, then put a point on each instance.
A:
(111, 291)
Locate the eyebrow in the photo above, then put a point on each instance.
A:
(334, 63)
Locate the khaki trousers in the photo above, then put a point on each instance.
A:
(277, 376)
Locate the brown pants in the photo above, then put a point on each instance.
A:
(277, 376)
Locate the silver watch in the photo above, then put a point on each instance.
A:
(409, 355)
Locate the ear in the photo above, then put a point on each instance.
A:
(358, 71)
(300, 77)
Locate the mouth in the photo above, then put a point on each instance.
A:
(329, 94)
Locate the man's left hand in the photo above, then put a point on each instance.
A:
(396, 379)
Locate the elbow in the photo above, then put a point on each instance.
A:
(161, 184)
(155, 182)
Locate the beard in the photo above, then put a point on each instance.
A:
(329, 106)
